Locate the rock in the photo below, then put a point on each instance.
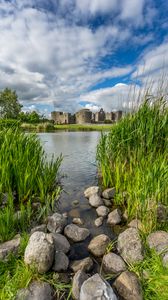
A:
(165, 260)
(84, 264)
(96, 288)
(75, 202)
(107, 202)
(11, 246)
(109, 193)
(98, 222)
(114, 217)
(75, 233)
(40, 251)
(158, 240)
(102, 211)
(128, 286)
(98, 245)
(162, 213)
(135, 223)
(42, 228)
(65, 215)
(60, 242)
(129, 246)
(92, 191)
(95, 200)
(56, 223)
(113, 263)
(77, 282)
(37, 290)
(61, 262)
(125, 216)
(77, 221)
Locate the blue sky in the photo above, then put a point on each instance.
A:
(66, 54)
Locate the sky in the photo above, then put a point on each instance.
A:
(68, 54)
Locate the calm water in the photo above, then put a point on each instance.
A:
(79, 166)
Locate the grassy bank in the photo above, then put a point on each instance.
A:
(133, 157)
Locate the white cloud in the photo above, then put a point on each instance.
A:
(132, 10)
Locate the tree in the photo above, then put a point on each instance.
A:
(9, 104)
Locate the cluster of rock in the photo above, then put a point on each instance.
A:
(50, 244)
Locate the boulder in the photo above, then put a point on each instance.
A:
(84, 264)
(92, 190)
(128, 286)
(61, 262)
(102, 211)
(37, 290)
(158, 240)
(40, 251)
(11, 246)
(114, 217)
(98, 222)
(98, 245)
(135, 223)
(129, 246)
(56, 223)
(113, 263)
(60, 242)
(42, 228)
(76, 233)
(95, 200)
(96, 288)
(77, 282)
(109, 193)
(77, 221)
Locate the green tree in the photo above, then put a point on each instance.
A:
(9, 104)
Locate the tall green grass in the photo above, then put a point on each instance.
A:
(133, 157)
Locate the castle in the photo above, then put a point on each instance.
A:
(85, 116)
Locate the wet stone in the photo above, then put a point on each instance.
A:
(95, 200)
(85, 264)
(61, 262)
(76, 233)
(60, 242)
(92, 191)
(102, 211)
(98, 222)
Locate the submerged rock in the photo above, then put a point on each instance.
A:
(91, 191)
(95, 200)
(98, 222)
(114, 217)
(60, 242)
(61, 262)
(113, 263)
(109, 193)
(40, 251)
(84, 264)
(128, 286)
(77, 282)
(129, 246)
(36, 291)
(56, 223)
(99, 244)
(96, 288)
(76, 233)
(102, 211)
(11, 246)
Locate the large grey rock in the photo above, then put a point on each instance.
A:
(114, 217)
(102, 211)
(42, 228)
(91, 191)
(60, 242)
(76, 233)
(96, 288)
(40, 251)
(61, 262)
(95, 200)
(109, 193)
(128, 286)
(158, 240)
(130, 246)
(77, 282)
(84, 264)
(11, 246)
(113, 263)
(36, 291)
(98, 222)
(98, 245)
(56, 223)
